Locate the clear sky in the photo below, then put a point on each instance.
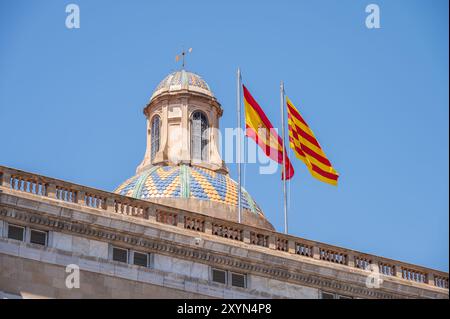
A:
(71, 103)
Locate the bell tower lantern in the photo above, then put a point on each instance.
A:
(182, 166)
(183, 124)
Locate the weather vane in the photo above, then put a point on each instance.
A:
(182, 55)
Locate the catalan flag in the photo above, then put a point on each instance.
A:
(259, 128)
(307, 148)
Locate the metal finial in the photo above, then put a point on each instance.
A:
(182, 55)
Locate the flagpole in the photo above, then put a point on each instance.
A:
(284, 158)
(238, 152)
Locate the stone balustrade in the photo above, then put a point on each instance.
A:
(259, 239)
(167, 217)
(303, 249)
(126, 207)
(192, 223)
(386, 269)
(66, 194)
(225, 230)
(333, 255)
(73, 194)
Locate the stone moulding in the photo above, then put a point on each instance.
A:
(195, 254)
(44, 194)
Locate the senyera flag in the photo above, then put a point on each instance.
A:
(259, 128)
(307, 148)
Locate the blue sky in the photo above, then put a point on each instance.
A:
(71, 103)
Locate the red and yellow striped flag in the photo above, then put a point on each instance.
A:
(259, 128)
(307, 148)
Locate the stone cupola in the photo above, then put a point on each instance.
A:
(183, 106)
(182, 166)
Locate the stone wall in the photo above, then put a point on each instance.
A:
(32, 271)
(276, 265)
(29, 278)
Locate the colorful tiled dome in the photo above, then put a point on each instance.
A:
(186, 182)
(183, 80)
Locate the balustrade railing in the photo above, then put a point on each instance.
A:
(227, 231)
(259, 239)
(362, 263)
(193, 223)
(333, 256)
(129, 209)
(441, 282)
(28, 184)
(414, 275)
(282, 244)
(66, 194)
(72, 194)
(303, 249)
(386, 269)
(167, 218)
(95, 201)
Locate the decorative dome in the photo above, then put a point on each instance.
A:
(186, 182)
(171, 174)
(183, 80)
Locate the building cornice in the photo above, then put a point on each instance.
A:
(168, 97)
(292, 259)
(269, 269)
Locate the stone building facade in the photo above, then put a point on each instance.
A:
(171, 230)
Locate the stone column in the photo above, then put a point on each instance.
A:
(180, 220)
(6, 180)
(291, 246)
(208, 228)
(398, 271)
(80, 198)
(316, 252)
(151, 213)
(272, 242)
(430, 279)
(146, 160)
(185, 154)
(350, 260)
(246, 236)
(110, 205)
(214, 157)
(164, 133)
(51, 190)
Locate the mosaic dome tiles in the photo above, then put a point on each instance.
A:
(186, 182)
(183, 80)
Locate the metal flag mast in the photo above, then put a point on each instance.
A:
(238, 152)
(284, 158)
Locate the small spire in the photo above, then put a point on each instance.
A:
(181, 56)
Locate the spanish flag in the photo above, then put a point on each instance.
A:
(307, 148)
(259, 128)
